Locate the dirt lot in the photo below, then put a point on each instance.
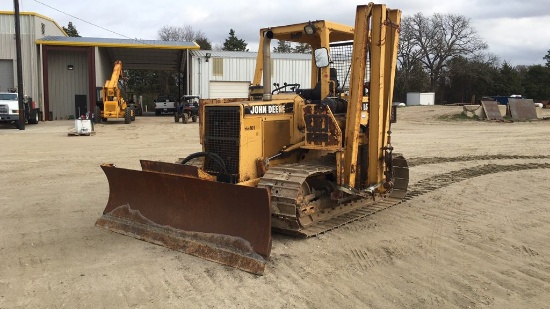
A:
(473, 233)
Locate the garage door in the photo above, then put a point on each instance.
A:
(6, 75)
(228, 90)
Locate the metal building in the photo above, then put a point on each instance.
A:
(228, 74)
(76, 68)
(33, 26)
(64, 75)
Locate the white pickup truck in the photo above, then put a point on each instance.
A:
(165, 104)
(9, 109)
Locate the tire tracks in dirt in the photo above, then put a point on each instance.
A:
(439, 181)
(438, 160)
(366, 261)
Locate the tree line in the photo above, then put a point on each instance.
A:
(444, 54)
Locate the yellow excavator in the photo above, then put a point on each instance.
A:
(112, 104)
(293, 160)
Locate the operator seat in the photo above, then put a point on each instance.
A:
(315, 93)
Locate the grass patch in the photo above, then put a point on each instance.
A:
(458, 117)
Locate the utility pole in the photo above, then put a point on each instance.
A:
(21, 125)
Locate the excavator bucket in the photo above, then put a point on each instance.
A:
(171, 205)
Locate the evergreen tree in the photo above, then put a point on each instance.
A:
(282, 47)
(302, 48)
(71, 30)
(187, 33)
(536, 82)
(509, 81)
(547, 58)
(204, 43)
(233, 43)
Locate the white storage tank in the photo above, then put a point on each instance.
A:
(420, 98)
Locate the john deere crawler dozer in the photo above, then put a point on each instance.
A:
(294, 160)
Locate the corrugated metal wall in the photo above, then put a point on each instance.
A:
(104, 66)
(8, 45)
(292, 71)
(228, 90)
(242, 70)
(200, 77)
(7, 79)
(64, 84)
(33, 27)
(28, 51)
(234, 69)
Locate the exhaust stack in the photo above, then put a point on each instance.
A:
(268, 35)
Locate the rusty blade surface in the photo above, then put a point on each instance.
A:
(225, 223)
(170, 168)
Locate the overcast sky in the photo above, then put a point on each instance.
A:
(516, 31)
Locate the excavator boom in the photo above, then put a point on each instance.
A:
(111, 86)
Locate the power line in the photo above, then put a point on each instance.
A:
(51, 7)
(127, 37)
(122, 35)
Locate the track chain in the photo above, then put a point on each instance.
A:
(285, 182)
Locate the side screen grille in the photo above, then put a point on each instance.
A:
(340, 55)
(222, 125)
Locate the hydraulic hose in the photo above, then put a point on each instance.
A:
(211, 155)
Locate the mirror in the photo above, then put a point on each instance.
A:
(321, 57)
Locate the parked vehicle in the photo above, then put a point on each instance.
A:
(187, 108)
(136, 106)
(113, 105)
(9, 109)
(164, 104)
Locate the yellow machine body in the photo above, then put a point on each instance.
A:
(295, 160)
(113, 105)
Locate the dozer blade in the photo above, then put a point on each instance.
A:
(174, 169)
(225, 223)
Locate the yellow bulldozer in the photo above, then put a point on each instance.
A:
(112, 104)
(299, 161)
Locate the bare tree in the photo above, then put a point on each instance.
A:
(217, 46)
(171, 82)
(187, 33)
(408, 60)
(437, 39)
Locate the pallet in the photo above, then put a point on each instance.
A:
(73, 132)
